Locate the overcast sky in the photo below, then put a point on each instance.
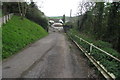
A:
(58, 7)
(61, 7)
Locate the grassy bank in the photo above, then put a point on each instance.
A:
(110, 64)
(17, 33)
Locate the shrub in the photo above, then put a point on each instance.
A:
(37, 16)
(17, 33)
(109, 63)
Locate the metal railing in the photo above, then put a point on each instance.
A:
(91, 48)
(100, 67)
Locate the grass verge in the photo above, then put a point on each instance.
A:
(18, 33)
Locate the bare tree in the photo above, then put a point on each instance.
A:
(20, 12)
(22, 8)
(84, 7)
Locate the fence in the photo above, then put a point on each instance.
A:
(6, 18)
(100, 67)
(91, 46)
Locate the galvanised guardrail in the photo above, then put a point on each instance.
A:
(100, 67)
(91, 47)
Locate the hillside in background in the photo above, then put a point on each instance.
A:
(18, 33)
(55, 17)
(58, 17)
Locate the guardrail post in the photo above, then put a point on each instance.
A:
(91, 47)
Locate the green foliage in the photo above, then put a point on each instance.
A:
(37, 16)
(69, 24)
(109, 63)
(0, 43)
(113, 29)
(10, 7)
(57, 17)
(17, 33)
(103, 21)
(31, 12)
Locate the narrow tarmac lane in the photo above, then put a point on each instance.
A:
(51, 57)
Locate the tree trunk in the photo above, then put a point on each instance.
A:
(19, 9)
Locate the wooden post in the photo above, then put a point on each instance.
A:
(6, 18)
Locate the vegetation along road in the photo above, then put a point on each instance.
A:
(51, 57)
(32, 49)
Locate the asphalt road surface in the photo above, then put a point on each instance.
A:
(51, 57)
